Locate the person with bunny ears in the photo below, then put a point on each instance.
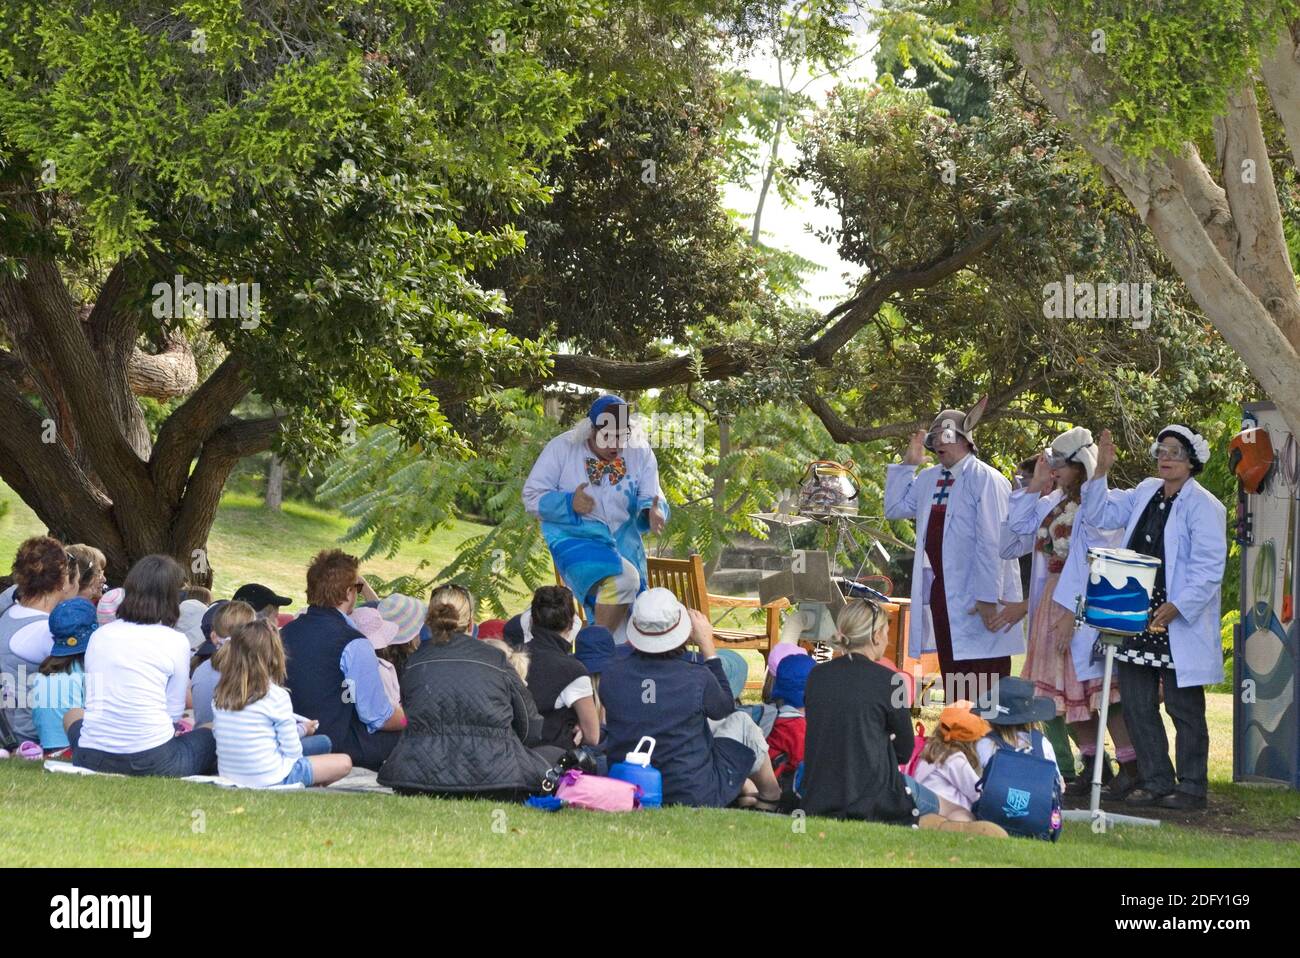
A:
(966, 599)
(596, 491)
(1175, 519)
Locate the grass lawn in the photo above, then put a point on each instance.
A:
(167, 823)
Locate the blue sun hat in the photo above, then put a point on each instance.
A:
(737, 669)
(1012, 702)
(791, 679)
(71, 623)
(594, 648)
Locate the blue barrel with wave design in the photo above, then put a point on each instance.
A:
(1119, 590)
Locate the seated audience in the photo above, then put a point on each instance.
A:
(199, 593)
(469, 714)
(137, 673)
(594, 648)
(785, 744)
(560, 684)
(45, 575)
(950, 765)
(106, 607)
(61, 686)
(380, 633)
(221, 622)
(333, 674)
(858, 731)
(709, 753)
(266, 602)
(91, 564)
(256, 733)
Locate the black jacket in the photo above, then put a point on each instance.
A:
(850, 761)
(468, 717)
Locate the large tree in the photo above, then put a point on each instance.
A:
(329, 161)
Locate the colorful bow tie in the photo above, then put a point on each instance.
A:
(598, 468)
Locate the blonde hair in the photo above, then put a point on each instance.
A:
(88, 557)
(249, 664)
(857, 626)
(451, 610)
(937, 749)
(1010, 733)
(519, 659)
(231, 616)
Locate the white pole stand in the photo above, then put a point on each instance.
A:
(1099, 819)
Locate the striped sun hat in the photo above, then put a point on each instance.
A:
(106, 611)
(405, 612)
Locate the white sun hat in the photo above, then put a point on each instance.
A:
(659, 622)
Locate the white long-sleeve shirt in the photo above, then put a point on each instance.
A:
(954, 779)
(259, 744)
(136, 677)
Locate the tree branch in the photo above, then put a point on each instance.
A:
(868, 302)
(192, 423)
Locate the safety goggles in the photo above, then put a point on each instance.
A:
(1056, 460)
(1175, 452)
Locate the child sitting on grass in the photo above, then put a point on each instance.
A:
(61, 684)
(1015, 712)
(950, 765)
(253, 720)
(785, 743)
(222, 620)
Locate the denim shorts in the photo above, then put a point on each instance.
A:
(926, 802)
(300, 774)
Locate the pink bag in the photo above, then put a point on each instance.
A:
(909, 767)
(597, 793)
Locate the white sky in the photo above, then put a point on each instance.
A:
(790, 227)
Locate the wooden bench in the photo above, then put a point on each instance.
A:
(684, 578)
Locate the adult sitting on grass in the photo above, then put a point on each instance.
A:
(45, 575)
(859, 729)
(560, 684)
(137, 673)
(333, 674)
(469, 714)
(710, 753)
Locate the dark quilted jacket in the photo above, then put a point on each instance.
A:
(469, 715)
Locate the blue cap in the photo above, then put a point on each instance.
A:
(594, 647)
(737, 669)
(71, 623)
(602, 404)
(791, 679)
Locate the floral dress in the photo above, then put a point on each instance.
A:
(1052, 671)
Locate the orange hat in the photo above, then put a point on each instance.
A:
(957, 723)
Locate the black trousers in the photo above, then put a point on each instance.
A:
(1140, 690)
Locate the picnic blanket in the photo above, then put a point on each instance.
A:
(67, 768)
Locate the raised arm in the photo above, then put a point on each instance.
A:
(900, 481)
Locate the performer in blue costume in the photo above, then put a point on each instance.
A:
(596, 490)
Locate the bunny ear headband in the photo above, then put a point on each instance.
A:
(951, 423)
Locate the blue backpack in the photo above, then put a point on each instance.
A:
(1021, 791)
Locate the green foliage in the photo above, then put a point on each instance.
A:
(1157, 74)
(878, 156)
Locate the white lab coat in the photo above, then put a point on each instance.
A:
(1025, 513)
(1196, 549)
(973, 568)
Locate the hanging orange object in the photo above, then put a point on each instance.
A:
(1250, 456)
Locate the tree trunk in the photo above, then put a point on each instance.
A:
(275, 484)
(720, 483)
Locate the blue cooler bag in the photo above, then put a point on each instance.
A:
(1021, 791)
